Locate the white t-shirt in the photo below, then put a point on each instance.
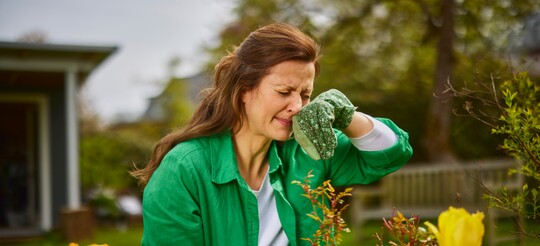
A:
(270, 229)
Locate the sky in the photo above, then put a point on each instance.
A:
(148, 35)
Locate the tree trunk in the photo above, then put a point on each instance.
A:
(437, 133)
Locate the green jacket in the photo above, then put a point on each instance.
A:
(197, 196)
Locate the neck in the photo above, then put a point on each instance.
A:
(251, 156)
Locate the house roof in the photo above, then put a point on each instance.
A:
(195, 84)
(46, 57)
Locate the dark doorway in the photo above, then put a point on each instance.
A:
(19, 194)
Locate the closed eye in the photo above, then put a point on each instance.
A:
(287, 93)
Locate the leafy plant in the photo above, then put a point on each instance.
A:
(328, 206)
(520, 126)
(405, 231)
(107, 157)
(518, 122)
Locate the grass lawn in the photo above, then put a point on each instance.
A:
(105, 235)
(132, 236)
(113, 237)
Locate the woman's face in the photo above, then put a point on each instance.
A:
(281, 94)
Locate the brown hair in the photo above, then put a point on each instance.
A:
(221, 107)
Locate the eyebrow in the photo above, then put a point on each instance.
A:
(292, 88)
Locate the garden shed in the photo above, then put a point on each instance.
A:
(39, 133)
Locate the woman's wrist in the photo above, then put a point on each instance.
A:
(379, 138)
(360, 125)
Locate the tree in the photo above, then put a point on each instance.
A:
(106, 158)
(177, 104)
(35, 36)
(439, 115)
(108, 152)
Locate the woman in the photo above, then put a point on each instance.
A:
(225, 179)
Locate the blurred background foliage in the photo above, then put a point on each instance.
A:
(106, 157)
(392, 58)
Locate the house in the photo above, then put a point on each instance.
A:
(178, 90)
(39, 133)
(525, 51)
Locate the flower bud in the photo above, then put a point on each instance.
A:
(458, 227)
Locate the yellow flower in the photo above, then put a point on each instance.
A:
(457, 227)
(399, 218)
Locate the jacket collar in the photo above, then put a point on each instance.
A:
(273, 158)
(224, 164)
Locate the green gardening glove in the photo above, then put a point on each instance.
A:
(312, 126)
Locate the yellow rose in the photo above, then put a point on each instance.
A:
(457, 227)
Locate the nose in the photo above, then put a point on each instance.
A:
(295, 105)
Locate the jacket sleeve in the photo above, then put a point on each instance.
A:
(352, 166)
(171, 213)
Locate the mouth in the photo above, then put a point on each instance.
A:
(285, 122)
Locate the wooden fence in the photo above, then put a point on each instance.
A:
(427, 190)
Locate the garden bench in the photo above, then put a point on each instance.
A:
(427, 190)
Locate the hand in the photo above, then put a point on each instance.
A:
(312, 126)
